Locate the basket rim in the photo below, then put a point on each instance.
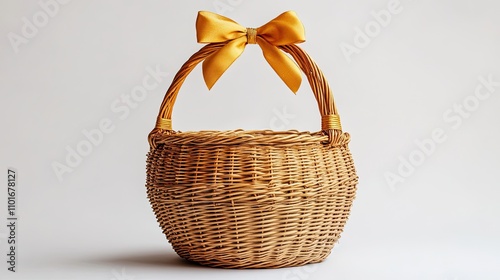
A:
(247, 137)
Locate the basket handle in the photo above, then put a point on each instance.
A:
(330, 121)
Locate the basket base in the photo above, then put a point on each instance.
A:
(247, 263)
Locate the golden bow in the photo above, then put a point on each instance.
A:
(283, 30)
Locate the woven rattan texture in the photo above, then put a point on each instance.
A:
(251, 199)
(251, 205)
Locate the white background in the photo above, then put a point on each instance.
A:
(441, 222)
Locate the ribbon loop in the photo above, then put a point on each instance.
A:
(283, 30)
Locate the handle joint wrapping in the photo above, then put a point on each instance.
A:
(165, 124)
(330, 122)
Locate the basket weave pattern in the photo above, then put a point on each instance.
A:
(251, 199)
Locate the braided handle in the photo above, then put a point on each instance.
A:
(330, 121)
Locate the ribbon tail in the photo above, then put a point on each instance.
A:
(215, 65)
(284, 66)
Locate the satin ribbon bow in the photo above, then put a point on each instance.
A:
(283, 30)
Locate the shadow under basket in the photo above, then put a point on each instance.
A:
(251, 199)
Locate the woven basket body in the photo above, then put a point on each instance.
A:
(251, 199)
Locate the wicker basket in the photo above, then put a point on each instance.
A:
(252, 199)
